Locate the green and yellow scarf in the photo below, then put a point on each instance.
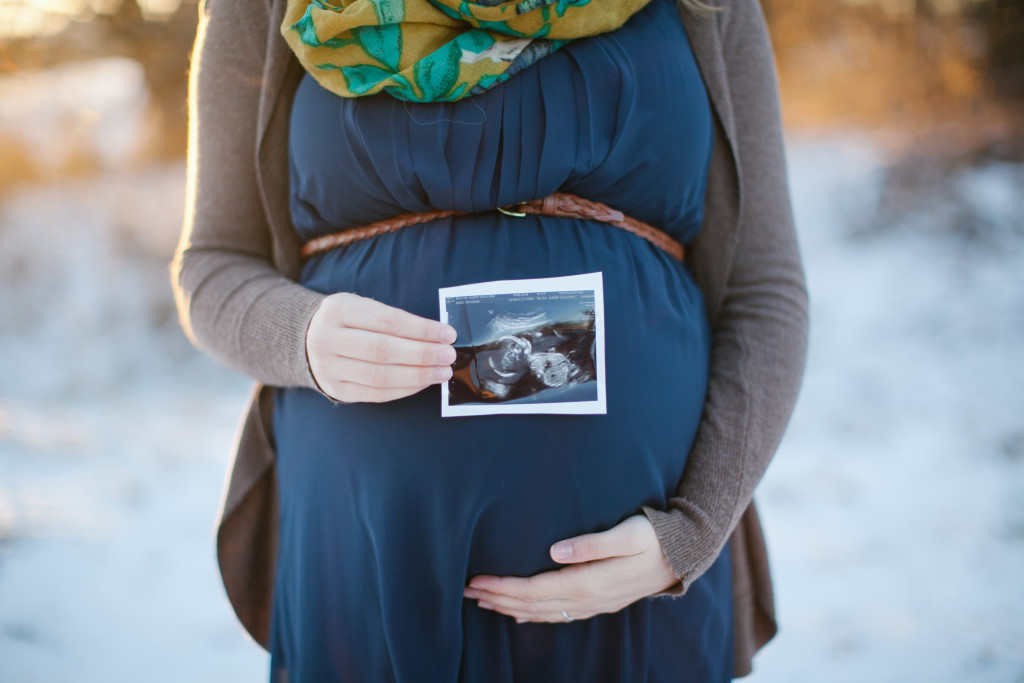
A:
(436, 50)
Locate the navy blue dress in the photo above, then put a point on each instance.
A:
(387, 510)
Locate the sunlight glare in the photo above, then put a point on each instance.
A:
(26, 18)
(158, 8)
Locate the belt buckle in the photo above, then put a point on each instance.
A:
(510, 212)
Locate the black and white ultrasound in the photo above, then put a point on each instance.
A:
(529, 348)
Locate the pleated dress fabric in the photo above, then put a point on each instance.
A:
(387, 510)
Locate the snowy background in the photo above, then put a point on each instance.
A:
(894, 509)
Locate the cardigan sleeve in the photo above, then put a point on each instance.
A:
(759, 330)
(231, 300)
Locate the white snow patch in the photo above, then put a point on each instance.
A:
(895, 507)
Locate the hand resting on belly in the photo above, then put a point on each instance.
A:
(608, 571)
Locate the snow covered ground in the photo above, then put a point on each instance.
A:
(894, 509)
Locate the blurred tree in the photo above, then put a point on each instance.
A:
(161, 44)
(946, 73)
(1003, 24)
(941, 75)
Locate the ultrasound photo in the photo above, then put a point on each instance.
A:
(526, 346)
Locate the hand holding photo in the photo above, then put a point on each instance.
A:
(526, 346)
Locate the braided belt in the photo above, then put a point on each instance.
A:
(558, 204)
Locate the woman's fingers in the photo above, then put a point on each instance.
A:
(350, 392)
(579, 582)
(543, 597)
(633, 568)
(362, 350)
(534, 611)
(389, 376)
(629, 537)
(359, 312)
(553, 615)
(376, 347)
(546, 586)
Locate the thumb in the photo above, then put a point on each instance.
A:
(615, 542)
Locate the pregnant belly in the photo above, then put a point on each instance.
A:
(489, 494)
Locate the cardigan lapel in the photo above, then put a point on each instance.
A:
(281, 73)
(274, 69)
(716, 243)
(707, 49)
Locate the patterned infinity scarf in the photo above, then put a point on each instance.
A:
(436, 50)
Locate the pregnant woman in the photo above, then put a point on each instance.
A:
(366, 538)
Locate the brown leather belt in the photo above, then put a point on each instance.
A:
(558, 204)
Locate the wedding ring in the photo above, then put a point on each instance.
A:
(565, 615)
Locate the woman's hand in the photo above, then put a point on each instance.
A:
(361, 350)
(608, 571)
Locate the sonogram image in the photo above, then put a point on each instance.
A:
(533, 347)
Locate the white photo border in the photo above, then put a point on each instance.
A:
(586, 281)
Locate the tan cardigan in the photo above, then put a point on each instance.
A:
(235, 270)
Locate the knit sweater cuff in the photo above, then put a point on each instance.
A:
(273, 336)
(698, 520)
(678, 534)
(298, 320)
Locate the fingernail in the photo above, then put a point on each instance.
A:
(561, 550)
(443, 374)
(446, 356)
(520, 621)
(448, 334)
(474, 583)
(485, 605)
